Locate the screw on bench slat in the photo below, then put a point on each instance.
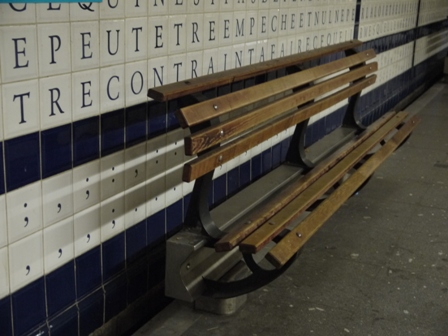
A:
(215, 107)
(298, 234)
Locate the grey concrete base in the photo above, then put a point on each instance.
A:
(220, 306)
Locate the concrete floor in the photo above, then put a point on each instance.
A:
(379, 266)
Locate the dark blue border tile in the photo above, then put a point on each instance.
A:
(113, 256)
(245, 173)
(115, 296)
(5, 316)
(233, 181)
(137, 276)
(266, 161)
(174, 214)
(56, 150)
(256, 167)
(22, 161)
(60, 285)
(41, 330)
(65, 324)
(2, 172)
(86, 140)
(157, 119)
(91, 311)
(136, 124)
(28, 307)
(88, 271)
(219, 189)
(136, 241)
(112, 132)
(155, 228)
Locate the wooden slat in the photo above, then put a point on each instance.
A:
(257, 218)
(211, 136)
(261, 237)
(200, 112)
(294, 240)
(223, 154)
(190, 86)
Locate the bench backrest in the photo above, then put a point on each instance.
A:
(226, 126)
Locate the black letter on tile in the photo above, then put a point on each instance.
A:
(108, 87)
(85, 45)
(132, 82)
(136, 37)
(85, 93)
(17, 52)
(17, 10)
(108, 42)
(53, 49)
(22, 109)
(55, 101)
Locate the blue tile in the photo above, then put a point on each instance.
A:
(245, 171)
(113, 256)
(137, 280)
(157, 119)
(115, 294)
(28, 307)
(233, 181)
(219, 190)
(5, 316)
(56, 150)
(91, 311)
(187, 200)
(22, 161)
(276, 154)
(172, 122)
(88, 271)
(112, 132)
(65, 324)
(256, 167)
(156, 227)
(60, 285)
(135, 241)
(136, 124)
(86, 140)
(174, 214)
(266, 161)
(41, 330)
(2, 174)
(285, 146)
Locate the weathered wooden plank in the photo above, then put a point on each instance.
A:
(263, 235)
(199, 84)
(200, 112)
(213, 135)
(223, 154)
(294, 240)
(257, 218)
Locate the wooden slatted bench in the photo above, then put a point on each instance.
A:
(264, 226)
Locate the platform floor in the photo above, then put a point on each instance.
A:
(378, 267)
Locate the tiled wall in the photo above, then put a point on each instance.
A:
(90, 169)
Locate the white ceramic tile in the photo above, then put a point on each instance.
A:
(55, 101)
(177, 6)
(3, 226)
(194, 64)
(84, 11)
(4, 273)
(211, 6)
(238, 56)
(157, 72)
(225, 58)
(112, 92)
(251, 32)
(136, 35)
(196, 32)
(86, 185)
(136, 8)
(211, 30)
(112, 38)
(1, 118)
(85, 45)
(15, 13)
(226, 28)
(157, 7)
(210, 61)
(155, 157)
(87, 230)
(226, 5)
(20, 101)
(195, 6)
(57, 198)
(26, 261)
(112, 175)
(135, 165)
(177, 34)
(158, 36)
(240, 5)
(155, 195)
(54, 48)
(240, 27)
(85, 94)
(252, 5)
(18, 53)
(177, 68)
(263, 24)
(24, 211)
(250, 50)
(262, 46)
(112, 217)
(58, 245)
(173, 185)
(136, 83)
(135, 205)
(53, 12)
(112, 9)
